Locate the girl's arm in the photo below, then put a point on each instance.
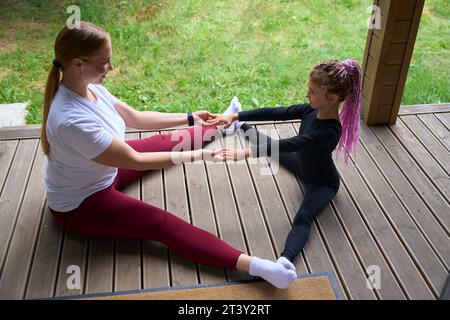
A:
(277, 113)
(121, 155)
(266, 114)
(304, 142)
(148, 120)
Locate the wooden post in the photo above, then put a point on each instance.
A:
(387, 57)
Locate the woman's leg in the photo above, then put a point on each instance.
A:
(317, 197)
(188, 139)
(112, 214)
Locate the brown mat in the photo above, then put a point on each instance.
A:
(307, 287)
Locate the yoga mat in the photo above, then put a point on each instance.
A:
(307, 287)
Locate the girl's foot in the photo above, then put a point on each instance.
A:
(235, 107)
(274, 273)
(286, 263)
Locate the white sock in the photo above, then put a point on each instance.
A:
(286, 263)
(274, 273)
(235, 107)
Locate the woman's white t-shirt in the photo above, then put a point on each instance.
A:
(79, 130)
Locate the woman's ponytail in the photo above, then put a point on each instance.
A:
(53, 80)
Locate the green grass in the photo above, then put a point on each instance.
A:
(197, 54)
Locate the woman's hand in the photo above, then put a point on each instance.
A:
(205, 119)
(235, 154)
(225, 120)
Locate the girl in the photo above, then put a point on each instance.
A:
(309, 153)
(89, 163)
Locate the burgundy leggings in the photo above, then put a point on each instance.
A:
(111, 214)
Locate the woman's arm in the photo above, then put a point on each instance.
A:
(121, 155)
(147, 120)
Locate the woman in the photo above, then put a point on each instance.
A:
(89, 163)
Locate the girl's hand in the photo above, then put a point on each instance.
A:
(213, 155)
(225, 120)
(236, 154)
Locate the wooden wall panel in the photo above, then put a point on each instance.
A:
(386, 59)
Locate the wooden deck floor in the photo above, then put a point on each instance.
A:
(392, 211)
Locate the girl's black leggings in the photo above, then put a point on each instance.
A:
(316, 198)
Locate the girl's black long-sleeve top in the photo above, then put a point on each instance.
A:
(314, 144)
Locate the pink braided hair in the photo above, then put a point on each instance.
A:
(343, 78)
(349, 116)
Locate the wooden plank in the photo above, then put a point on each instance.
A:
(407, 10)
(155, 261)
(100, 268)
(392, 44)
(424, 108)
(365, 245)
(255, 229)
(418, 7)
(228, 221)
(385, 12)
(390, 74)
(44, 269)
(396, 54)
(367, 90)
(20, 132)
(401, 33)
(392, 248)
(444, 118)
(7, 150)
(429, 166)
(315, 252)
(434, 147)
(127, 269)
(183, 271)
(371, 67)
(393, 56)
(388, 94)
(383, 112)
(13, 192)
(202, 214)
(73, 255)
(369, 40)
(345, 259)
(15, 272)
(401, 222)
(423, 219)
(424, 188)
(439, 130)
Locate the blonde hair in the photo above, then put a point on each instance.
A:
(80, 42)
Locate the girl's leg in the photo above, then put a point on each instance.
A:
(317, 197)
(188, 139)
(289, 160)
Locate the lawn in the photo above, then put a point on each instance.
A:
(197, 54)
